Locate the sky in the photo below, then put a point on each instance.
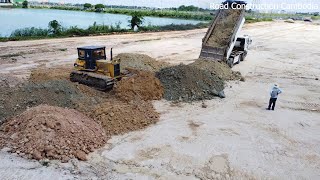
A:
(290, 5)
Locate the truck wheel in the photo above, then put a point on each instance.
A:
(241, 58)
(230, 62)
(244, 55)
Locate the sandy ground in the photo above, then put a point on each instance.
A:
(19, 58)
(234, 138)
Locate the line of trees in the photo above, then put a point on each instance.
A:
(100, 7)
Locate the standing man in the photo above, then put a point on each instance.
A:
(275, 91)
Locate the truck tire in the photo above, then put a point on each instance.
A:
(230, 62)
(244, 55)
(239, 59)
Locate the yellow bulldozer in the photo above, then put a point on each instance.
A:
(93, 69)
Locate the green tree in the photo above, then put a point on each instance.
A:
(55, 27)
(87, 6)
(136, 20)
(25, 4)
(99, 7)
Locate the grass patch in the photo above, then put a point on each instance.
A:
(250, 19)
(10, 55)
(35, 33)
(315, 17)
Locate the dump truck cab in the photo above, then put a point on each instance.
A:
(243, 43)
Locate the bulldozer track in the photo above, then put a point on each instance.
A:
(97, 81)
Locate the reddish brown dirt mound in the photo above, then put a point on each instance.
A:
(53, 133)
(45, 74)
(119, 117)
(142, 85)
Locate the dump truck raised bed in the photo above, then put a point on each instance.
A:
(222, 41)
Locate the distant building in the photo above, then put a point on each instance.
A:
(6, 3)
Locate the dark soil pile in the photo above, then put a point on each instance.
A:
(189, 83)
(43, 75)
(14, 101)
(140, 62)
(118, 117)
(141, 85)
(53, 133)
(220, 69)
(223, 30)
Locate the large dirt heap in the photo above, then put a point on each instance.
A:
(220, 69)
(188, 83)
(223, 30)
(140, 62)
(56, 93)
(53, 133)
(119, 117)
(142, 85)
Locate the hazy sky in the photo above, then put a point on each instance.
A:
(201, 3)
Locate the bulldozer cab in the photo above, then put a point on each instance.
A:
(90, 54)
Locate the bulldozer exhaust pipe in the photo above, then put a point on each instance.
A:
(111, 56)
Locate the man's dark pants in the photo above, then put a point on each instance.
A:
(272, 102)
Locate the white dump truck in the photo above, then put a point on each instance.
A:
(222, 41)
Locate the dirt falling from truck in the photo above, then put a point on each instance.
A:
(224, 28)
(220, 69)
(189, 83)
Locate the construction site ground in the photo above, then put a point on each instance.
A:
(232, 138)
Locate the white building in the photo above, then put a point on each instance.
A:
(5, 1)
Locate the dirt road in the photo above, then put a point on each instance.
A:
(234, 138)
(19, 58)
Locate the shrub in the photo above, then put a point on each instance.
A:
(55, 27)
(29, 32)
(136, 19)
(25, 4)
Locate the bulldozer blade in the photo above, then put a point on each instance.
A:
(100, 82)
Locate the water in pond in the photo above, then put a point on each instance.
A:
(12, 19)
